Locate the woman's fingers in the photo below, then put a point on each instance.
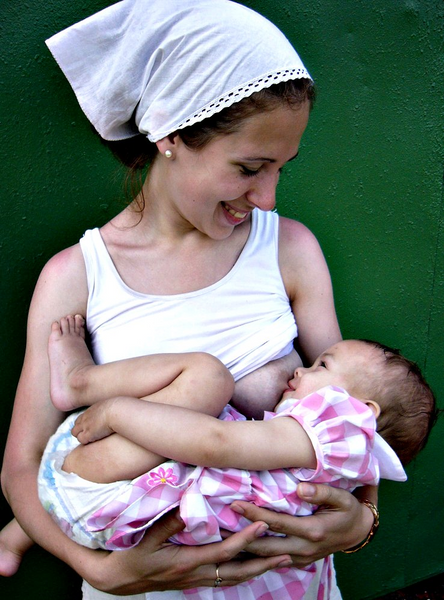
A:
(333, 502)
(237, 571)
(326, 495)
(337, 524)
(230, 548)
(159, 534)
(156, 564)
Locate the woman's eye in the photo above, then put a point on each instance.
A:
(248, 172)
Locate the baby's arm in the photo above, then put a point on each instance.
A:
(199, 439)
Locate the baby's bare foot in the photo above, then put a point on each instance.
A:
(69, 360)
(9, 561)
(13, 544)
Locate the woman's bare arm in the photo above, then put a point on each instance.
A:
(343, 521)
(308, 284)
(34, 418)
(151, 566)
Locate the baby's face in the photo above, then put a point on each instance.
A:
(343, 365)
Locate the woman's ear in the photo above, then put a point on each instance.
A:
(374, 407)
(168, 143)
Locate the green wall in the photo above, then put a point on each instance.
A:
(368, 182)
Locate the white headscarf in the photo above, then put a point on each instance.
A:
(169, 63)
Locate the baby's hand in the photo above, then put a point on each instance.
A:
(92, 425)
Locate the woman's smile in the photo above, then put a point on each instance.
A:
(238, 216)
(209, 188)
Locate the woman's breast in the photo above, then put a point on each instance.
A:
(262, 389)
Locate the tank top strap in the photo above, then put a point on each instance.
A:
(97, 259)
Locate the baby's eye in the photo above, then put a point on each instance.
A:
(323, 364)
(248, 172)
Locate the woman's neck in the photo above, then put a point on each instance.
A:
(154, 256)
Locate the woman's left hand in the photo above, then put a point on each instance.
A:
(341, 522)
(156, 565)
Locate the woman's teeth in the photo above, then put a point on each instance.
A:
(236, 214)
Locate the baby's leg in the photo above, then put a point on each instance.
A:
(13, 544)
(113, 458)
(197, 381)
(201, 385)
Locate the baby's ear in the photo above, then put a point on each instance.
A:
(374, 406)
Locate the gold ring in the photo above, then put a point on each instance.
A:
(218, 579)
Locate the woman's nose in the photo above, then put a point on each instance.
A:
(263, 193)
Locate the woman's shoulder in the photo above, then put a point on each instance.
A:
(297, 244)
(65, 263)
(61, 290)
(64, 277)
(295, 234)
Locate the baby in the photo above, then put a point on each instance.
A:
(107, 493)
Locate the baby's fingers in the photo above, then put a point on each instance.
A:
(79, 432)
(77, 426)
(83, 431)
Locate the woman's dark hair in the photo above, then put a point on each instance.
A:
(291, 93)
(137, 153)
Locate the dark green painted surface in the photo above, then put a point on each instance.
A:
(369, 183)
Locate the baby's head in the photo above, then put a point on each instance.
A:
(391, 385)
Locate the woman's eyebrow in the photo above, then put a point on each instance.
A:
(266, 159)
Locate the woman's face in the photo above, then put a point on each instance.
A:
(215, 189)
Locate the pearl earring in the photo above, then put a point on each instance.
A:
(168, 154)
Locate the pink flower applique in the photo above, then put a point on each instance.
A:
(162, 476)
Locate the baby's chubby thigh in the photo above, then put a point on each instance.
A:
(110, 459)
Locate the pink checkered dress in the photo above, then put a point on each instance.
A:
(342, 430)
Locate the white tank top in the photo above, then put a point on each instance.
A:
(245, 319)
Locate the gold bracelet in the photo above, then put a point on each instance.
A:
(373, 530)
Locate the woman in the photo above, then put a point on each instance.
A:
(195, 263)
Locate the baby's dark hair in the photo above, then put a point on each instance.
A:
(408, 406)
